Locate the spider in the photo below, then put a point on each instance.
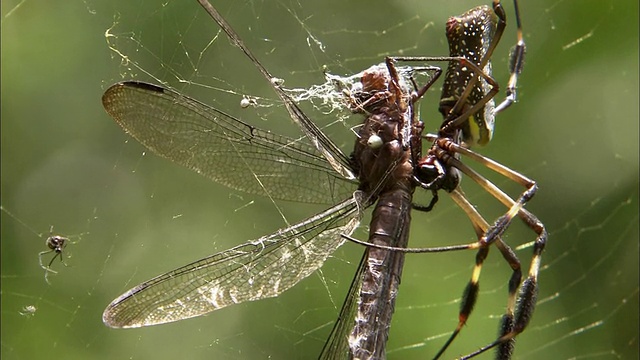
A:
(467, 105)
(56, 244)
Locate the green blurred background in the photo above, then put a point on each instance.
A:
(132, 216)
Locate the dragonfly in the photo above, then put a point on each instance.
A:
(311, 169)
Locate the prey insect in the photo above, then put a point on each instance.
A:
(310, 169)
(388, 148)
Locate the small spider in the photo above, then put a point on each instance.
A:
(56, 244)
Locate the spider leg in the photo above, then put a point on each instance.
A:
(47, 267)
(420, 91)
(456, 120)
(515, 208)
(470, 293)
(520, 308)
(513, 323)
(516, 59)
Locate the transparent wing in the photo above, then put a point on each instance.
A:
(337, 345)
(224, 148)
(321, 142)
(258, 269)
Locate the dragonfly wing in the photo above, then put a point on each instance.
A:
(255, 270)
(337, 345)
(318, 138)
(222, 147)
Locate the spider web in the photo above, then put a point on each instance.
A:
(131, 215)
